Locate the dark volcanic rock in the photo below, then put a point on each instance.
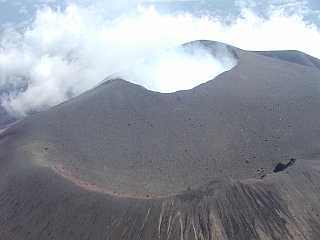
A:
(122, 162)
(281, 167)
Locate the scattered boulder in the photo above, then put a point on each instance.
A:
(281, 167)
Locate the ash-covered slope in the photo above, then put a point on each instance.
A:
(294, 57)
(122, 162)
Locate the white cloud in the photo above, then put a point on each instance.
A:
(179, 69)
(65, 52)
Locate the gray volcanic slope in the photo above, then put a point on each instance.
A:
(122, 162)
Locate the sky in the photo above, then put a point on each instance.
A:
(13, 11)
(51, 51)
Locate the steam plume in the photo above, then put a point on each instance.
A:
(64, 52)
